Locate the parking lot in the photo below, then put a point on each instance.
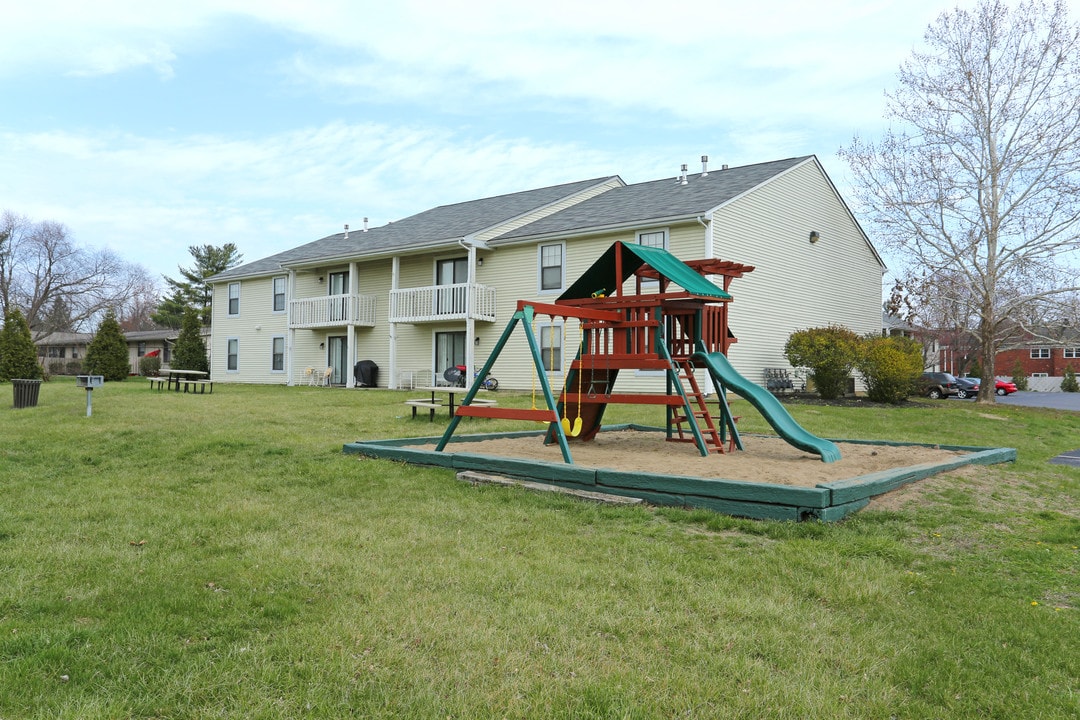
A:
(1056, 400)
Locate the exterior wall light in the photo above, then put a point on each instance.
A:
(814, 236)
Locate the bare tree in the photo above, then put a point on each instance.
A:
(980, 176)
(45, 275)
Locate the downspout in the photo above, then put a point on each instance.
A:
(395, 277)
(350, 324)
(710, 252)
(291, 342)
(470, 323)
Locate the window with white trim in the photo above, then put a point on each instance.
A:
(279, 294)
(551, 350)
(277, 354)
(234, 298)
(552, 267)
(653, 238)
(232, 354)
(1040, 353)
(1035, 375)
(1073, 352)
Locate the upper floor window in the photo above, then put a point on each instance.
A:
(653, 238)
(1040, 353)
(234, 298)
(279, 294)
(1073, 352)
(454, 271)
(551, 266)
(339, 283)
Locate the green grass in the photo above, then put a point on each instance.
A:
(218, 556)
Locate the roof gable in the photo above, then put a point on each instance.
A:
(655, 201)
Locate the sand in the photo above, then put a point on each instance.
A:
(765, 460)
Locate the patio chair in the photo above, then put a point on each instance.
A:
(312, 378)
(326, 376)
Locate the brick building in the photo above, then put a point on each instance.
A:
(1042, 358)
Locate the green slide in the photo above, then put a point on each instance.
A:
(770, 408)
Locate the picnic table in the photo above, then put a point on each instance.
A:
(193, 380)
(434, 402)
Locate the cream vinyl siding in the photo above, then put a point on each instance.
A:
(255, 345)
(795, 284)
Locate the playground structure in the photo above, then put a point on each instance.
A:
(641, 308)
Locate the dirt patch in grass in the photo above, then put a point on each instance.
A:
(765, 459)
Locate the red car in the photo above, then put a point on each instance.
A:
(1002, 387)
(969, 387)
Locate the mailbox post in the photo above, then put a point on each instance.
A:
(89, 382)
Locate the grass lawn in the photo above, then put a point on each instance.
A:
(180, 556)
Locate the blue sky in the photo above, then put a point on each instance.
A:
(269, 124)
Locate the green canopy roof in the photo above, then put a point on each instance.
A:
(601, 276)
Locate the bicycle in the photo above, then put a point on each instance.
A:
(455, 375)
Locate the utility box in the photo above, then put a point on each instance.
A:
(89, 381)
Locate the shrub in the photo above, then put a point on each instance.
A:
(107, 354)
(18, 358)
(149, 365)
(890, 367)
(1069, 383)
(830, 353)
(190, 350)
(1019, 377)
(73, 367)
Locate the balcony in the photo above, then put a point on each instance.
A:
(332, 311)
(436, 303)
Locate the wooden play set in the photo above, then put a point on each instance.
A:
(641, 308)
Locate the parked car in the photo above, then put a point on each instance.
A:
(937, 385)
(966, 387)
(1004, 387)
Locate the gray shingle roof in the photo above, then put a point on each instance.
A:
(656, 200)
(444, 224)
(639, 204)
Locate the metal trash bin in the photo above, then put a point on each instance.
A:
(26, 392)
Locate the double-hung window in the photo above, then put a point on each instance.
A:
(1040, 353)
(234, 298)
(1071, 353)
(551, 350)
(653, 238)
(552, 267)
(277, 354)
(233, 355)
(279, 294)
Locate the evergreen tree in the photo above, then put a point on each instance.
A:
(190, 350)
(1069, 382)
(107, 353)
(18, 358)
(192, 290)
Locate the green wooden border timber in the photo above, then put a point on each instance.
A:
(826, 502)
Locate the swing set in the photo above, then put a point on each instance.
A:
(652, 312)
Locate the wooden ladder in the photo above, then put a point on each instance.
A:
(702, 416)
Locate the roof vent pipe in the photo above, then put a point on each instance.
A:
(723, 167)
(346, 231)
(704, 166)
(682, 178)
(365, 224)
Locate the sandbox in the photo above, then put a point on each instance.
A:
(769, 479)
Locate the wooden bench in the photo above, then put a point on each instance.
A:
(199, 385)
(424, 403)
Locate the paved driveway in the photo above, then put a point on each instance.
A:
(1057, 400)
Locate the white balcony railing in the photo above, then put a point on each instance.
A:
(332, 311)
(442, 302)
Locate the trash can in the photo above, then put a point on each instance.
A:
(26, 392)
